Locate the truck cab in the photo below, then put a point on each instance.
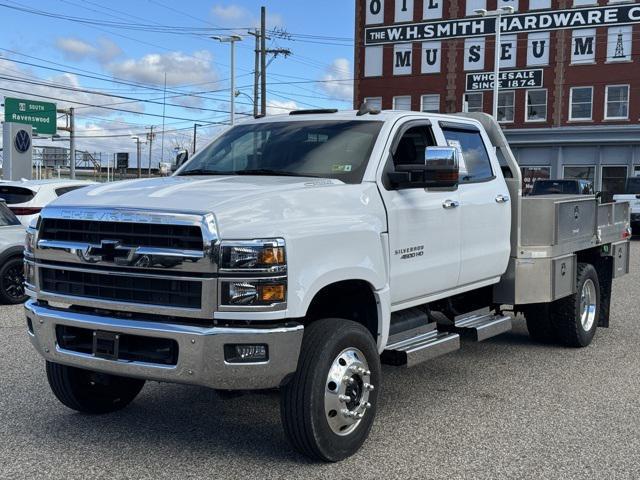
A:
(299, 252)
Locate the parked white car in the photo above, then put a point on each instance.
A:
(12, 235)
(27, 198)
(632, 195)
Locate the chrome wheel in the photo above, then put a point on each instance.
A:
(13, 282)
(588, 306)
(346, 398)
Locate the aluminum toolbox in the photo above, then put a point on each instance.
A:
(552, 228)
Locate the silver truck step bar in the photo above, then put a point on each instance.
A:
(411, 348)
(481, 326)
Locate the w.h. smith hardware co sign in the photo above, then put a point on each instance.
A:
(521, 23)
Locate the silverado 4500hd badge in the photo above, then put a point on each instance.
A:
(411, 252)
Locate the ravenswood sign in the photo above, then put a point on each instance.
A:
(40, 115)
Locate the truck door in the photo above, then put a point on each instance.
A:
(424, 225)
(485, 207)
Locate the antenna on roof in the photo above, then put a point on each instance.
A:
(365, 108)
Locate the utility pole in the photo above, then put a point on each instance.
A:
(256, 71)
(263, 61)
(150, 136)
(72, 139)
(498, 53)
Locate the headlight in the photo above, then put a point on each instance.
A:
(30, 240)
(266, 256)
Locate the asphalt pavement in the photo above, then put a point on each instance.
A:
(505, 408)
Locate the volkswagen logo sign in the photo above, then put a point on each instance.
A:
(22, 141)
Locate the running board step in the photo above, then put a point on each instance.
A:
(415, 350)
(480, 327)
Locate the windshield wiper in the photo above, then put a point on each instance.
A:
(276, 173)
(202, 171)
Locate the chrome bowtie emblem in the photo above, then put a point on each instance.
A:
(22, 141)
(107, 251)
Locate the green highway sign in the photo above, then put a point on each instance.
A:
(40, 115)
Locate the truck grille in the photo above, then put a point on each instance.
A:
(181, 237)
(149, 291)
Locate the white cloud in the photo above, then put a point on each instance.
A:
(229, 12)
(68, 80)
(277, 107)
(238, 16)
(180, 68)
(338, 79)
(74, 49)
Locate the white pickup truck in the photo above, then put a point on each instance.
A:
(299, 252)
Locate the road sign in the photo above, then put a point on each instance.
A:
(40, 115)
(122, 160)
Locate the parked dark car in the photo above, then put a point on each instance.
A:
(565, 187)
(12, 235)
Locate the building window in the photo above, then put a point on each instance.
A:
(614, 179)
(473, 5)
(617, 102)
(430, 103)
(472, 102)
(581, 103)
(583, 46)
(531, 175)
(402, 103)
(375, 102)
(580, 173)
(619, 43)
(373, 61)
(506, 103)
(584, 3)
(536, 105)
(539, 4)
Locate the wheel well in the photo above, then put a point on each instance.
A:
(351, 299)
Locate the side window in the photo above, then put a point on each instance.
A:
(475, 164)
(412, 145)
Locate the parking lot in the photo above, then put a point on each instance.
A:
(506, 408)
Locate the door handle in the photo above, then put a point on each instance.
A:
(502, 198)
(449, 204)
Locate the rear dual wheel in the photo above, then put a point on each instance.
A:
(573, 320)
(328, 407)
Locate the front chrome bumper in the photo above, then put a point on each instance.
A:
(201, 358)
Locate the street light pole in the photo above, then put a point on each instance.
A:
(137, 140)
(497, 54)
(195, 126)
(232, 39)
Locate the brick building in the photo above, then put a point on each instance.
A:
(569, 83)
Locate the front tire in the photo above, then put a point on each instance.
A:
(91, 392)
(328, 407)
(12, 282)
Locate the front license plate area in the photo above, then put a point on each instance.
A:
(106, 345)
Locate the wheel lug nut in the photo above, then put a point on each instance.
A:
(347, 379)
(344, 398)
(368, 386)
(367, 373)
(367, 405)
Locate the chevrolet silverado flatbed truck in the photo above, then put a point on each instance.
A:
(300, 252)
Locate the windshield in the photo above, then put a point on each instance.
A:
(7, 217)
(326, 149)
(633, 186)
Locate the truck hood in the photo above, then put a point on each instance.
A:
(243, 205)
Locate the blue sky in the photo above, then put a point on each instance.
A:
(128, 46)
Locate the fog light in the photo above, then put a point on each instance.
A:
(254, 293)
(234, 353)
